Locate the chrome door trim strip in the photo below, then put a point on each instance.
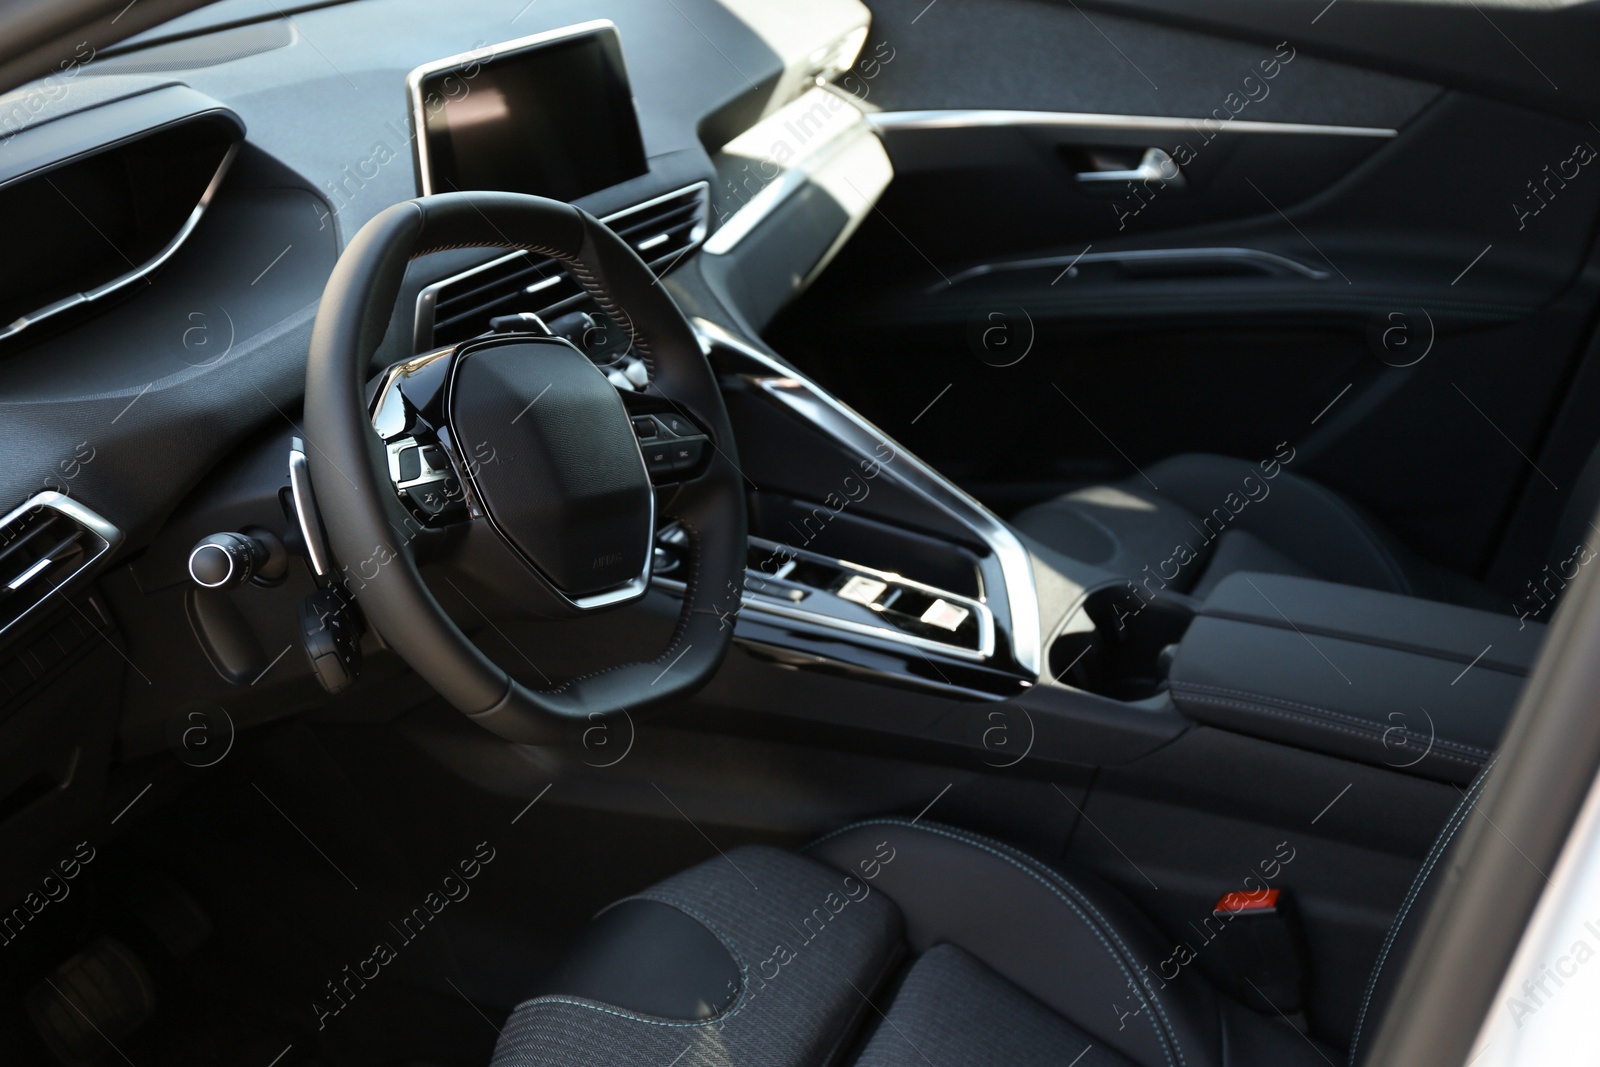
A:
(1144, 255)
(955, 118)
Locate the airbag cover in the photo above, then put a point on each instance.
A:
(553, 457)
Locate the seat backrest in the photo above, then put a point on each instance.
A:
(1397, 943)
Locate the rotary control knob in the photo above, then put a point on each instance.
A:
(227, 560)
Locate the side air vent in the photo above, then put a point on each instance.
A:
(663, 231)
(44, 545)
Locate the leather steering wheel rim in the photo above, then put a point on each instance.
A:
(357, 499)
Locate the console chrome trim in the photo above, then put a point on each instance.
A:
(123, 280)
(955, 118)
(422, 325)
(419, 120)
(775, 605)
(1144, 255)
(833, 417)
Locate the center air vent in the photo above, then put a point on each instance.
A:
(44, 545)
(663, 231)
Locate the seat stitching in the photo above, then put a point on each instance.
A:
(623, 1013)
(1200, 687)
(1265, 709)
(1168, 1040)
(1463, 809)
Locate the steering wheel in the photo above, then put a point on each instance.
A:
(568, 506)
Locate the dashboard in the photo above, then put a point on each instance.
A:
(168, 370)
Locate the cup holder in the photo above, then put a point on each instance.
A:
(1118, 643)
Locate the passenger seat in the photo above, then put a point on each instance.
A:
(1212, 516)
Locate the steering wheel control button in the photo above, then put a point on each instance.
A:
(330, 630)
(410, 464)
(567, 488)
(678, 426)
(422, 475)
(645, 427)
(686, 455)
(658, 459)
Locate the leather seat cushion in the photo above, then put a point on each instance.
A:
(810, 941)
(1015, 962)
(947, 1011)
(1068, 941)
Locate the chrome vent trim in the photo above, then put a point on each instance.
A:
(46, 544)
(663, 231)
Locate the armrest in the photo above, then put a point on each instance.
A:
(1414, 685)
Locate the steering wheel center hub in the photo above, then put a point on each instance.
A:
(553, 458)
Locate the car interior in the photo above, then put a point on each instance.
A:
(728, 532)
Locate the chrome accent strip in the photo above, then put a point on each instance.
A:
(823, 410)
(44, 563)
(983, 652)
(1147, 255)
(110, 537)
(422, 328)
(414, 80)
(306, 514)
(961, 119)
(123, 280)
(772, 606)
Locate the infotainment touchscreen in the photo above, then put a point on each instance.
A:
(550, 115)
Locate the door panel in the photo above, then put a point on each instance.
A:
(1404, 309)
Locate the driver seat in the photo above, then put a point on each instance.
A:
(895, 943)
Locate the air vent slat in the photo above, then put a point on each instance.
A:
(686, 213)
(46, 543)
(662, 231)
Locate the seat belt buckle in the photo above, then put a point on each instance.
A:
(1262, 949)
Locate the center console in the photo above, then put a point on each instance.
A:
(862, 559)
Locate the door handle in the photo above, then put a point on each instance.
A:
(1155, 166)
